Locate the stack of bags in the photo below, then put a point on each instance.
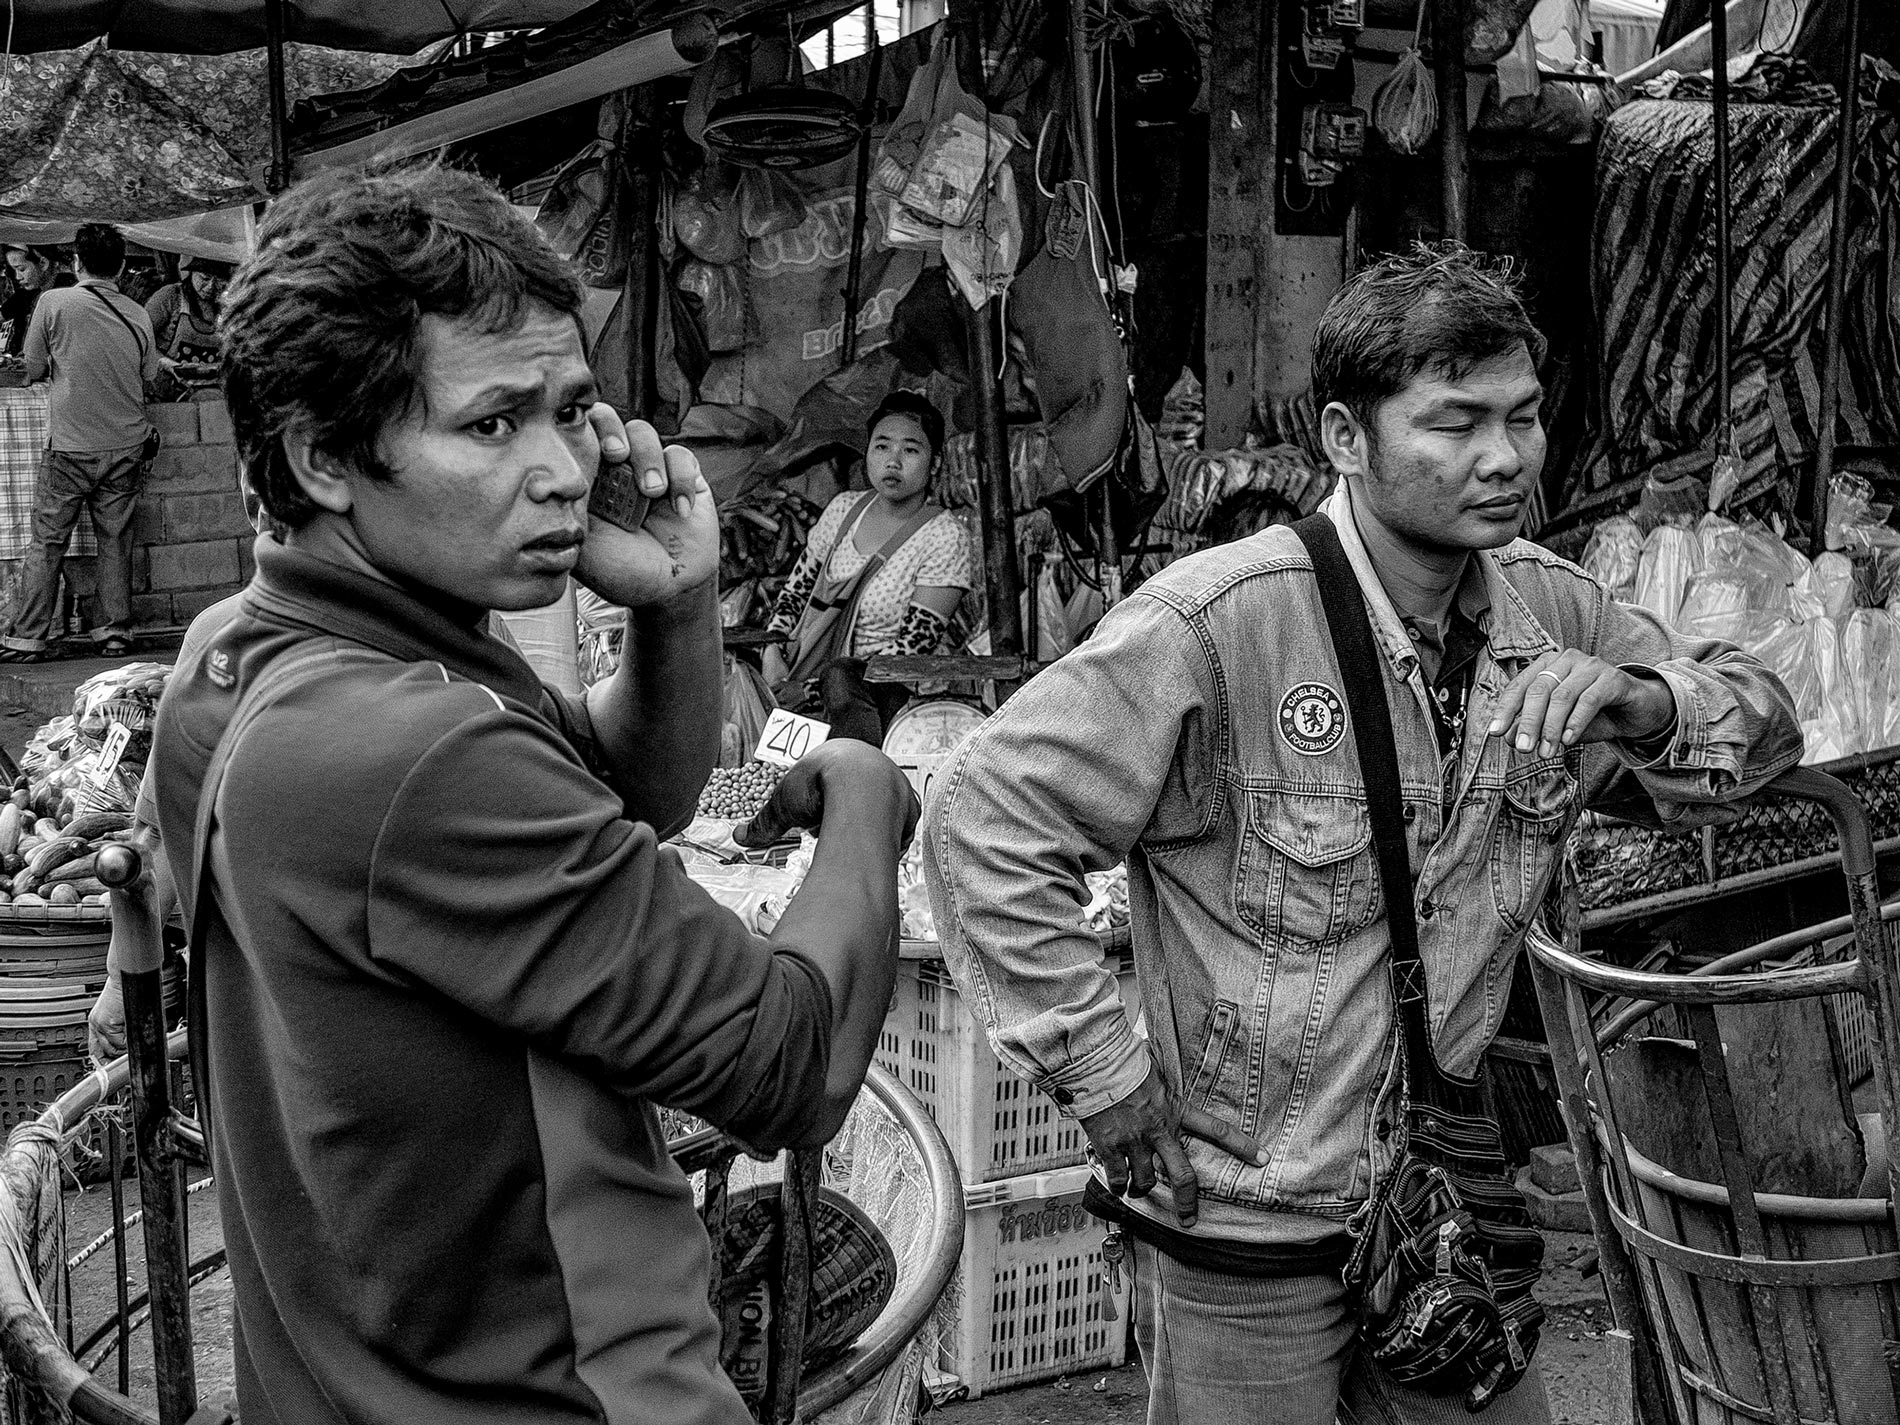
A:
(1827, 627)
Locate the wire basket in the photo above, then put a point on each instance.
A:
(1625, 871)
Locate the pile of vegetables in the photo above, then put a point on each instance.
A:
(78, 784)
(50, 863)
(761, 536)
(737, 793)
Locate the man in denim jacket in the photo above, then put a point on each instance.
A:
(1202, 734)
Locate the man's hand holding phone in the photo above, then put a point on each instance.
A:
(674, 545)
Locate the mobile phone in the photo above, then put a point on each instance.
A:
(616, 496)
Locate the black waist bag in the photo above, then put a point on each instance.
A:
(1448, 1257)
(1328, 1256)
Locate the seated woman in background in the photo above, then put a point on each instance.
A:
(883, 574)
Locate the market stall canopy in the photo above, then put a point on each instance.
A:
(221, 236)
(226, 26)
(126, 136)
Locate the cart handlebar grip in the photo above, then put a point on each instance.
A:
(119, 867)
(1834, 797)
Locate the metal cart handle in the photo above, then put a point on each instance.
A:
(1850, 817)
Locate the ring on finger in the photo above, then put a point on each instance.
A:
(1555, 677)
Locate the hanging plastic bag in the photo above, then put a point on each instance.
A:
(983, 253)
(1613, 555)
(721, 293)
(770, 203)
(706, 217)
(581, 214)
(1405, 107)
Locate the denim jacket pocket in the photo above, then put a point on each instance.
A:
(1221, 1020)
(1532, 814)
(1306, 872)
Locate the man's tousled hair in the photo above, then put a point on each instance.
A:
(321, 326)
(1440, 309)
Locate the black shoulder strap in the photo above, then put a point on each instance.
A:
(124, 321)
(1363, 668)
(289, 670)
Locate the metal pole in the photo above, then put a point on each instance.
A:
(1082, 70)
(995, 498)
(854, 274)
(1847, 143)
(279, 176)
(1454, 158)
(1724, 319)
(135, 915)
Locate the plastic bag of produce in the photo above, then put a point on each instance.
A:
(1670, 556)
(1869, 641)
(1784, 647)
(1827, 589)
(749, 702)
(1715, 599)
(1613, 555)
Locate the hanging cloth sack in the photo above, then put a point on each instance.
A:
(825, 628)
(1405, 107)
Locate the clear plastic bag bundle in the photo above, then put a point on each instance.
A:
(1784, 647)
(1827, 589)
(1869, 641)
(1670, 558)
(1832, 732)
(1613, 555)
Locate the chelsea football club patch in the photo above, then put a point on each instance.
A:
(1312, 719)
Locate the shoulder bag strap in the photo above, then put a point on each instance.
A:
(1362, 667)
(280, 677)
(124, 321)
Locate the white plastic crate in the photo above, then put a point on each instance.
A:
(997, 1125)
(1027, 1304)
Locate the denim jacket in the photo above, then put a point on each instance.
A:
(1201, 734)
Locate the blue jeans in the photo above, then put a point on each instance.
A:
(107, 483)
(1228, 1350)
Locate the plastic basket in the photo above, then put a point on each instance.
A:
(1028, 1303)
(34, 1070)
(996, 1124)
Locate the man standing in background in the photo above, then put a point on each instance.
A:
(99, 349)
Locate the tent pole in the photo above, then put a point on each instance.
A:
(1454, 156)
(279, 176)
(854, 274)
(1724, 310)
(1846, 144)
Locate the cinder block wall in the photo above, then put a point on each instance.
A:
(194, 544)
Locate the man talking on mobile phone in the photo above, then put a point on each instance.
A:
(443, 969)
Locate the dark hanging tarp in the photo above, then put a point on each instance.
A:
(1654, 288)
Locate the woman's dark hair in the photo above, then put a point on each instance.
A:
(321, 325)
(1442, 309)
(100, 249)
(917, 406)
